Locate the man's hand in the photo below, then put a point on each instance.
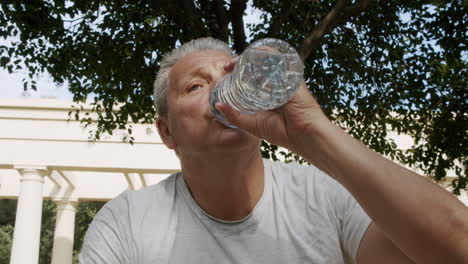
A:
(285, 126)
(416, 215)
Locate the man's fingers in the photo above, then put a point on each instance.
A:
(229, 67)
(229, 113)
(243, 121)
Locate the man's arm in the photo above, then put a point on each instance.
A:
(424, 221)
(375, 245)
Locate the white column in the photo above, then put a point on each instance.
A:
(62, 252)
(26, 236)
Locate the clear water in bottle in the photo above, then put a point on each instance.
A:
(266, 76)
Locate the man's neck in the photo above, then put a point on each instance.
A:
(226, 186)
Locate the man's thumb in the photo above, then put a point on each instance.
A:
(236, 118)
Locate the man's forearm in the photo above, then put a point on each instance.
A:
(426, 222)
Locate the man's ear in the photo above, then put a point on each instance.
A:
(164, 132)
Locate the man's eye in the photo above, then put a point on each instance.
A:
(194, 88)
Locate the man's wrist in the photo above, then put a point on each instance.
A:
(314, 138)
(327, 146)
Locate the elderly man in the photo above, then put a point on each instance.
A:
(228, 205)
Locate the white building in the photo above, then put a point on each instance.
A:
(44, 155)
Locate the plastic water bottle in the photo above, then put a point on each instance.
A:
(266, 76)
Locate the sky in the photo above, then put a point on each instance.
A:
(11, 85)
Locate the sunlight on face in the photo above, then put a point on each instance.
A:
(190, 120)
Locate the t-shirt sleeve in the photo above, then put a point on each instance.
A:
(352, 221)
(104, 241)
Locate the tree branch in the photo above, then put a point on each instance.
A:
(338, 14)
(181, 12)
(237, 18)
(216, 18)
(278, 20)
(190, 19)
(221, 19)
(357, 8)
(324, 26)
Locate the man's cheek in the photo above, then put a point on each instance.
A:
(193, 110)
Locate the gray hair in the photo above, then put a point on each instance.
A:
(161, 83)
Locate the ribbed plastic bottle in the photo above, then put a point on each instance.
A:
(266, 76)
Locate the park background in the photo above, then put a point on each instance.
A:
(375, 67)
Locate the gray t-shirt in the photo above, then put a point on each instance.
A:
(303, 216)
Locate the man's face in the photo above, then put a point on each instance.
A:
(190, 127)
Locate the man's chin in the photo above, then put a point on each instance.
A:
(231, 137)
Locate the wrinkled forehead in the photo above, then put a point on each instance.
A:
(188, 66)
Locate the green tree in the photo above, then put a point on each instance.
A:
(7, 221)
(6, 240)
(49, 213)
(374, 66)
(7, 211)
(84, 215)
